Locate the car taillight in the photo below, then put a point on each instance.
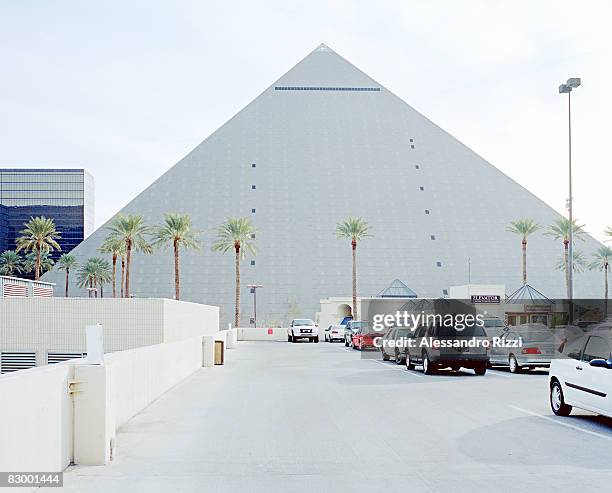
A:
(531, 350)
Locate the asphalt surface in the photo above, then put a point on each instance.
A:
(282, 417)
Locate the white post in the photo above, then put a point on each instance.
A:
(208, 351)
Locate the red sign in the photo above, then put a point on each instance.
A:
(270, 332)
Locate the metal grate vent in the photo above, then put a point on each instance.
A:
(59, 357)
(10, 362)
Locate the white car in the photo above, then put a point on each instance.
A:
(581, 376)
(334, 333)
(303, 328)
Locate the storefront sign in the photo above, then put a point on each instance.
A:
(486, 298)
(538, 308)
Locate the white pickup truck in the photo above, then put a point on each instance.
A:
(303, 328)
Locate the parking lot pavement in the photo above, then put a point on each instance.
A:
(316, 417)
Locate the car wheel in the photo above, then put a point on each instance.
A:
(513, 364)
(316, 340)
(455, 368)
(428, 367)
(293, 338)
(345, 342)
(481, 369)
(288, 337)
(385, 356)
(398, 358)
(409, 365)
(557, 402)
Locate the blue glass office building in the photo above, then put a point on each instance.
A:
(66, 195)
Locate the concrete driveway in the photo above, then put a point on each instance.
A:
(282, 417)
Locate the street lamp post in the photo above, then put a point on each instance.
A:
(254, 288)
(572, 83)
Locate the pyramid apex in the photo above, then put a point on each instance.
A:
(323, 47)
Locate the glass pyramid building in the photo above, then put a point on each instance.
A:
(324, 142)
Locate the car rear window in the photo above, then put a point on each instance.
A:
(451, 332)
(534, 335)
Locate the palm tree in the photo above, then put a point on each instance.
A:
(601, 261)
(608, 232)
(177, 231)
(116, 248)
(579, 263)
(39, 236)
(560, 230)
(354, 229)
(10, 263)
(523, 228)
(45, 262)
(93, 273)
(132, 230)
(66, 262)
(236, 233)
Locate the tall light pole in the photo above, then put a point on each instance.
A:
(254, 288)
(572, 83)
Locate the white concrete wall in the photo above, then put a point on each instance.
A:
(41, 325)
(139, 376)
(262, 334)
(36, 419)
(184, 320)
(42, 428)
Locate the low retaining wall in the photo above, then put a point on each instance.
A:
(43, 427)
(262, 334)
(36, 419)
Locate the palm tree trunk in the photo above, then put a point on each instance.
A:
(122, 274)
(237, 307)
(91, 287)
(101, 290)
(177, 294)
(566, 259)
(354, 248)
(127, 268)
(114, 275)
(67, 274)
(37, 265)
(524, 261)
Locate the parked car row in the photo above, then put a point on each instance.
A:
(580, 362)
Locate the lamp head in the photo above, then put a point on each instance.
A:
(564, 88)
(573, 82)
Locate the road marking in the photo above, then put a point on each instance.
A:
(567, 425)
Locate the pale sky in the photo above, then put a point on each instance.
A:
(127, 88)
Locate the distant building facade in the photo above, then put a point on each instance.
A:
(66, 195)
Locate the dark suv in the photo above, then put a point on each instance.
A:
(444, 353)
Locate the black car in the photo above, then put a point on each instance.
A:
(462, 349)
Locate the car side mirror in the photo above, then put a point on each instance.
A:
(316, 325)
(601, 363)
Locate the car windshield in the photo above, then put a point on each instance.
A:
(404, 333)
(358, 325)
(450, 332)
(302, 321)
(493, 322)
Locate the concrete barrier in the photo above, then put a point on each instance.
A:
(36, 419)
(262, 334)
(71, 411)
